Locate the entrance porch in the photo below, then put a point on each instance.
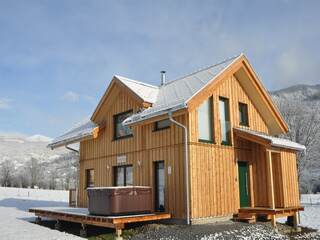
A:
(267, 177)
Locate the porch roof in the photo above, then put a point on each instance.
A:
(267, 139)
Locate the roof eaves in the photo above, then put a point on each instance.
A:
(68, 141)
(138, 118)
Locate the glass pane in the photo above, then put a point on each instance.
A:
(161, 186)
(119, 176)
(90, 178)
(163, 124)
(122, 131)
(129, 176)
(243, 114)
(205, 121)
(224, 120)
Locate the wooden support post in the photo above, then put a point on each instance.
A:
(118, 234)
(83, 230)
(270, 180)
(57, 225)
(274, 220)
(251, 193)
(295, 219)
(38, 220)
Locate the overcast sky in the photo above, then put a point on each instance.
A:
(57, 57)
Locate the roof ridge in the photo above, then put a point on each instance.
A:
(205, 68)
(135, 81)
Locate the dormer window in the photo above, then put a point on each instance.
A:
(121, 131)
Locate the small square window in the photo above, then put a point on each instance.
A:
(243, 114)
(163, 124)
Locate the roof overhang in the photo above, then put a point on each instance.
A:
(148, 115)
(266, 140)
(74, 136)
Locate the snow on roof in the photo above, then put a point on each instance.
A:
(174, 95)
(80, 131)
(147, 92)
(275, 141)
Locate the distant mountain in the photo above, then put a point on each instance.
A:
(39, 138)
(19, 149)
(299, 92)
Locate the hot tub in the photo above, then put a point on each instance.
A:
(119, 200)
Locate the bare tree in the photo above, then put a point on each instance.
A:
(33, 168)
(303, 119)
(7, 172)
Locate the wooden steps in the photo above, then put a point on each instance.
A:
(245, 217)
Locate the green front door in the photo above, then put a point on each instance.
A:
(243, 184)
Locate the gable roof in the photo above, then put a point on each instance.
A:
(147, 92)
(174, 95)
(273, 141)
(178, 94)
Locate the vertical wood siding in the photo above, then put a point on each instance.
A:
(141, 150)
(214, 189)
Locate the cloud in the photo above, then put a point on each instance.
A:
(71, 96)
(5, 103)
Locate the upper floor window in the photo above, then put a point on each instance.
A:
(205, 123)
(89, 178)
(225, 121)
(121, 131)
(163, 124)
(243, 114)
(123, 175)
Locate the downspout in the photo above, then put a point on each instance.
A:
(186, 162)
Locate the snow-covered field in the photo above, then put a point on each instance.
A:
(310, 217)
(14, 218)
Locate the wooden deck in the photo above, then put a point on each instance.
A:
(81, 215)
(249, 214)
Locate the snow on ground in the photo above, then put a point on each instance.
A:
(14, 218)
(310, 217)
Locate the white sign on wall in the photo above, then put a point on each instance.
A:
(121, 159)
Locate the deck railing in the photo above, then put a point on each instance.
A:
(72, 197)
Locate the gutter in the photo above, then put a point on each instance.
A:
(72, 149)
(186, 162)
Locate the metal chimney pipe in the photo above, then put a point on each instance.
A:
(163, 77)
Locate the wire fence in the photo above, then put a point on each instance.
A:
(310, 199)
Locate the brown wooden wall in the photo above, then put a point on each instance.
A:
(290, 178)
(145, 147)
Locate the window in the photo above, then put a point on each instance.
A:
(243, 114)
(123, 175)
(121, 131)
(163, 124)
(90, 178)
(205, 124)
(225, 121)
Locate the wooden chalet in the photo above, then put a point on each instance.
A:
(206, 143)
